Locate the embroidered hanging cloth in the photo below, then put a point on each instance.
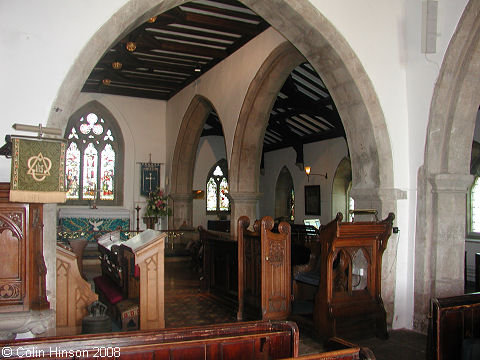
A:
(38, 171)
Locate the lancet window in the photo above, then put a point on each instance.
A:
(217, 189)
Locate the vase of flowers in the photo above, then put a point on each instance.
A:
(157, 207)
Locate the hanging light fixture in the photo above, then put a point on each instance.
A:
(117, 65)
(131, 46)
(308, 170)
(152, 20)
(106, 82)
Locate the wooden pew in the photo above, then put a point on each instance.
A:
(220, 264)
(74, 294)
(249, 340)
(133, 275)
(264, 269)
(349, 301)
(454, 327)
(243, 340)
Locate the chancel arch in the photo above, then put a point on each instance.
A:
(445, 177)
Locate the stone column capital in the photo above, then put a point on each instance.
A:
(245, 196)
(450, 183)
(182, 196)
(381, 193)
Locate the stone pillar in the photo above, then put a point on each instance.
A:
(440, 240)
(243, 203)
(182, 210)
(384, 201)
(448, 233)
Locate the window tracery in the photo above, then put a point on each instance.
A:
(93, 170)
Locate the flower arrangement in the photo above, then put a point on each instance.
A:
(157, 204)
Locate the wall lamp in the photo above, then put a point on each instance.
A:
(308, 170)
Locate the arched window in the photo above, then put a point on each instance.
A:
(474, 207)
(284, 196)
(350, 203)
(94, 158)
(217, 189)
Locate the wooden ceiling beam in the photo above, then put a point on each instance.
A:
(219, 24)
(330, 134)
(132, 80)
(124, 92)
(147, 42)
(224, 11)
(127, 64)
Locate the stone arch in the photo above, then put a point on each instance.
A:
(357, 103)
(333, 59)
(183, 162)
(444, 179)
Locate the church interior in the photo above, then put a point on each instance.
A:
(241, 179)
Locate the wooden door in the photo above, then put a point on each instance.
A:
(276, 274)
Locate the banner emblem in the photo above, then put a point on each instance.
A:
(39, 167)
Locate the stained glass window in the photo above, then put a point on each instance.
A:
(92, 166)
(475, 206)
(107, 173)
(224, 202)
(291, 204)
(217, 189)
(72, 170)
(211, 195)
(89, 172)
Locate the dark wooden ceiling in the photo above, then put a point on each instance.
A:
(176, 47)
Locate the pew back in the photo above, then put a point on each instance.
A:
(453, 320)
(249, 340)
(264, 269)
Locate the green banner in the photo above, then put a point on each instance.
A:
(38, 171)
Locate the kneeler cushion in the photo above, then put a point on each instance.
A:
(108, 288)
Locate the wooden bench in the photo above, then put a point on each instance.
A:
(133, 271)
(264, 269)
(244, 340)
(454, 328)
(249, 340)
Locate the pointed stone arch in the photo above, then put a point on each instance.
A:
(357, 103)
(444, 179)
(183, 162)
(333, 59)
